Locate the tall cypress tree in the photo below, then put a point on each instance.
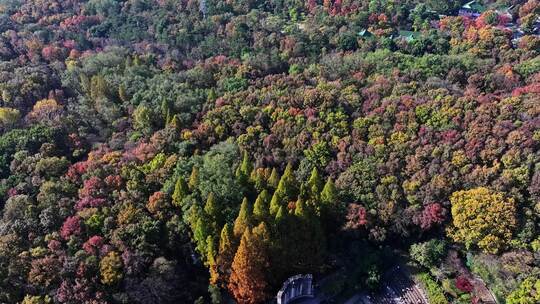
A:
(262, 233)
(275, 203)
(253, 175)
(248, 283)
(243, 220)
(280, 216)
(98, 87)
(309, 239)
(300, 208)
(193, 178)
(244, 170)
(211, 254)
(273, 180)
(246, 166)
(329, 194)
(258, 179)
(122, 94)
(287, 187)
(330, 209)
(180, 192)
(261, 206)
(282, 247)
(213, 211)
(315, 184)
(200, 233)
(166, 106)
(175, 123)
(211, 208)
(225, 257)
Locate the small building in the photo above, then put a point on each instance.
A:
(408, 36)
(472, 9)
(365, 34)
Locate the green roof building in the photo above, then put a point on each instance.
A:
(365, 33)
(408, 35)
(472, 8)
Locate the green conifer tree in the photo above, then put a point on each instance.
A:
(168, 117)
(180, 192)
(122, 94)
(211, 262)
(300, 208)
(98, 87)
(166, 106)
(329, 209)
(273, 180)
(193, 178)
(261, 206)
(211, 208)
(258, 179)
(309, 237)
(225, 257)
(246, 166)
(243, 220)
(175, 123)
(329, 194)
(200, 234)
(275, 203)
(243, 171)
(287, 187)
(262, 233)
(315, 184)
(283, 247)
(281, 216)
(213, 211)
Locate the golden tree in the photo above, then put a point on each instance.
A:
(483, 218)
(110, 268)
(248, 282)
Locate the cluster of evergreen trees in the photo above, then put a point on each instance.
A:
(280, 229)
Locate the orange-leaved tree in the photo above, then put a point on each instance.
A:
(248, 282)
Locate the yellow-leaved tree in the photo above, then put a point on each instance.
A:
(110, 268)
(482, 217)
(8, 116)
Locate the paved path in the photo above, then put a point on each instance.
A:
(397, 288)
(480, 289)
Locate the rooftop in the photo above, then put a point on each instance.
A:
(474, 6)
(408, 35)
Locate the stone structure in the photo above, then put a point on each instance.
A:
(296, 287)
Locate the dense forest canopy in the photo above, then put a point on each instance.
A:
(203, 151)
